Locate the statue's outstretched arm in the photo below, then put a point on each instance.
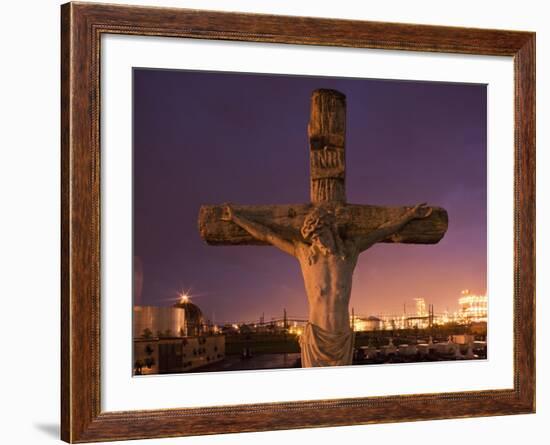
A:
(391, 227)
(258, 231)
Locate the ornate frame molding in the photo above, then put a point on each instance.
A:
(82, 25)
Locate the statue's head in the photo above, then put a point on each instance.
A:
(319, 228)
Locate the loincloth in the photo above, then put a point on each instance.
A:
(324, 348)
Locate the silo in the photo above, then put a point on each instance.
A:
(160, 321)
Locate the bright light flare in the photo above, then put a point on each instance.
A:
(184, 297)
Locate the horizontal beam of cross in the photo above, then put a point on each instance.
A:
(351, 219)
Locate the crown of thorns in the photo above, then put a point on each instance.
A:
(316, 220)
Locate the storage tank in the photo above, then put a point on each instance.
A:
(158, 321)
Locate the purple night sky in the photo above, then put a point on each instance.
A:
(208, 138)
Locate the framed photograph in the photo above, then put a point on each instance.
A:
(275, 222)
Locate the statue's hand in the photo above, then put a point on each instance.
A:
(419, 211)
(227, 213)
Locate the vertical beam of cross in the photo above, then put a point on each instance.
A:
(327, 145)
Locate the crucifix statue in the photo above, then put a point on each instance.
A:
(327, 235)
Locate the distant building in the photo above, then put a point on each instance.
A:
(370, 323)
(420, 307)
(176, 354)
(373, 323)
(473, 308)
(173, 339)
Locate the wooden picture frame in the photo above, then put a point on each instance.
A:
(82, 25)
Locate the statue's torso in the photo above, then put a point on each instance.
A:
(328, 282)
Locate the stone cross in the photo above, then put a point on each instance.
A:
(326, 235)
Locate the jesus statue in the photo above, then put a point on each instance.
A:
(327, 259)
(325, 235)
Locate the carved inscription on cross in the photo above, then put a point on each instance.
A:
(327, 235)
